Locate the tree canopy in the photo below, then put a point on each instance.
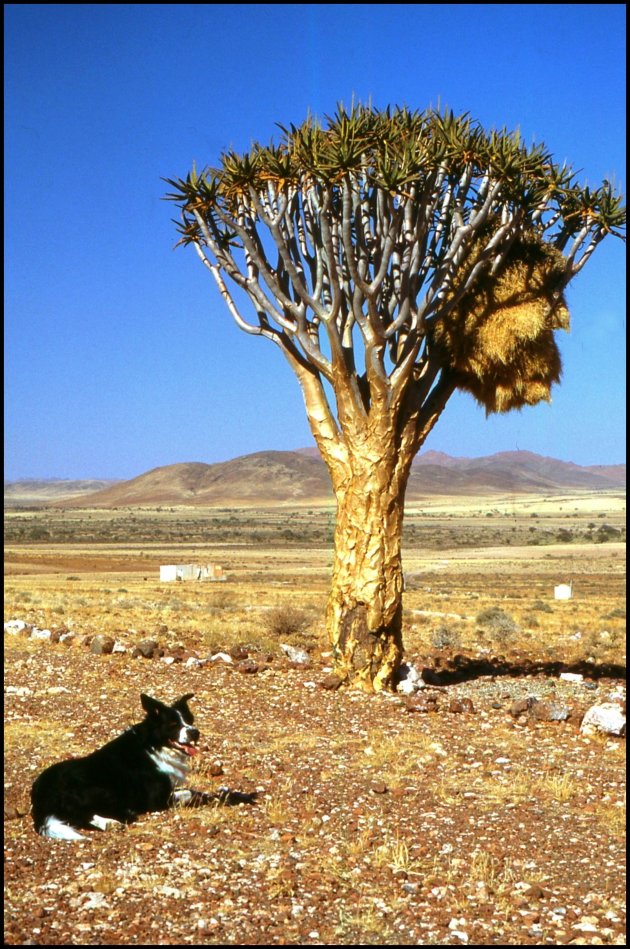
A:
(417, 239)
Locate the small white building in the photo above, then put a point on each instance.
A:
(190, 571)
(564, 591)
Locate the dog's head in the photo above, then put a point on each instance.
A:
(171, 725)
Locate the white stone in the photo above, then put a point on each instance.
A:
(410, 679)
(37, 633)
(607, 717)
(295, 655)
(221, 655)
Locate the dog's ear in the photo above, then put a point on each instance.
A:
(184, 698)
(182, 706)
(151, 706)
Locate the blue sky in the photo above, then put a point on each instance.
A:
(120, 355)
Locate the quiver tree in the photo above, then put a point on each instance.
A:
(393, 257)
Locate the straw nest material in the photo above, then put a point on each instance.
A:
(499, 339)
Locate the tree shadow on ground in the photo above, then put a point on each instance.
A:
(460, 668)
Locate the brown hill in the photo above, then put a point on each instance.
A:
(273, 477)
(264, 477)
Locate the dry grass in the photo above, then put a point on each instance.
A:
(461, 561)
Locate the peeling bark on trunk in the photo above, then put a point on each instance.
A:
(369, 456)
(364, 616)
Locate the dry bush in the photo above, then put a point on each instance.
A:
(287, 622)
(445, 637)
(541, 607)
(498, 624)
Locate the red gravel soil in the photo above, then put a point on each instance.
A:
(446, 818)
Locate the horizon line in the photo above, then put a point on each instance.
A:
(513, 451)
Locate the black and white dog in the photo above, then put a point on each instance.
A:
(140, 771)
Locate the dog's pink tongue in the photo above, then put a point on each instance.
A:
(191, 750)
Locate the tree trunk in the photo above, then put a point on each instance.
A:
(369, 456)
(364, 616)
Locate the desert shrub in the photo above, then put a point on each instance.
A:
(286, 621)
(541, 607)
(497, 622)
(445, 637)
(221, 600)
(606, 532)
(176, 605)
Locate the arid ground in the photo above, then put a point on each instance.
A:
(465, 813)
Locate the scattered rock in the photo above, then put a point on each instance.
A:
(422, 703)
(223, 656)
(37, 633)
(180, 653)
(522, 706)
(534, 892)
(147, 649)
(461, 705)
(378, 787)
(238, 652)
(295, 655)
(18, 690)
(248, 666)
(608, 717)
(331, 682)
(550, 712)
(102, 645)
(409, 679)
(193, 662)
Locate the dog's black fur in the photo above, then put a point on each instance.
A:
(140, 771)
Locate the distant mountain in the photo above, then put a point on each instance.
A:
(33, 493)
(271, 477)
(519, 471)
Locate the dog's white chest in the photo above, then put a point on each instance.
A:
(172, 763)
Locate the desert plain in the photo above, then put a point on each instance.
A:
(473, 811)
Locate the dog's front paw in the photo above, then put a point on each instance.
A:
(106, 823)
(188, 797)
(230, 798)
